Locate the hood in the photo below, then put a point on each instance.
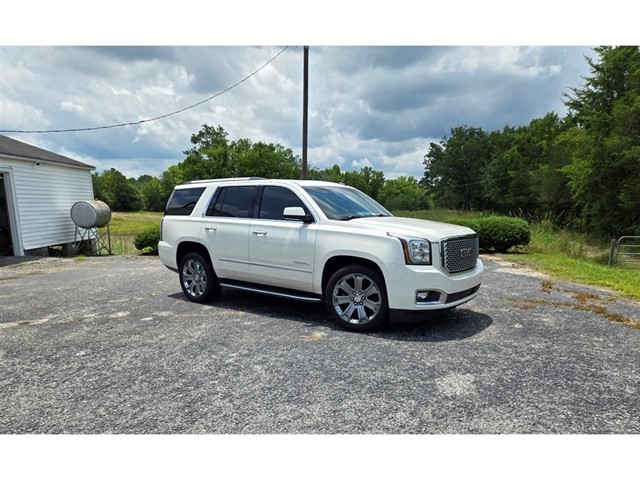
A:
(433, 231)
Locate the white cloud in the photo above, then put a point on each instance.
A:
(20, 115)
(364, 162)
(71, 106)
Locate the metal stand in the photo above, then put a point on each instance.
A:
(92, 238)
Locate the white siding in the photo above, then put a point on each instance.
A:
(44, 196)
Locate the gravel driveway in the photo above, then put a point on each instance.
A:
(110, 345)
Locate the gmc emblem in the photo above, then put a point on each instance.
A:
(465, 252)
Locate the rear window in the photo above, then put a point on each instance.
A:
(183, 201)
(236, 202)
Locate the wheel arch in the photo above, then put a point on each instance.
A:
(334, 264)
(188, 247)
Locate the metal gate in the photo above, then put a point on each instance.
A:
(625, 250)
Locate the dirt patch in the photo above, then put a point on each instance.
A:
(506, 266)
(584, 302)
(12, 268)
(37, 266)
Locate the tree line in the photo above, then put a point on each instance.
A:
(582, 170)
(213, 155)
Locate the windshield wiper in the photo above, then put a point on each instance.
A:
(352, 217)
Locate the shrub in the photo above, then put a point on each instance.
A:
(147, 240)
(498, 233)
(502, 233)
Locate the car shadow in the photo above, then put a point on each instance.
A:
(455, 324)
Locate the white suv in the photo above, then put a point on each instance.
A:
(316, 241)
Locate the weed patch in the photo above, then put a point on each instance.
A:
(586, 305)
(546, 286)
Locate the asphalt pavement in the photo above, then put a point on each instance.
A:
(110, 345)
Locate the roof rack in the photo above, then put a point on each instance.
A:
(236, 179)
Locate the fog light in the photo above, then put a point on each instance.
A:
(427, 296)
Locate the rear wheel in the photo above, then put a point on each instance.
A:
(197, 279)
(356, 298)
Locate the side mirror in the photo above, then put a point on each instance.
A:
(297, 213)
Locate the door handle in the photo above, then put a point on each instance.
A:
(211, 229)
(260, 233)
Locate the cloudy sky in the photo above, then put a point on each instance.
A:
(377, 106)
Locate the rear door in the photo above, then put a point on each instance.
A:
(281, 251)
(225, 230)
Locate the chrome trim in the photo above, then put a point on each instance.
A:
(441, 245)
(290, 269)
(271, 292)
(445, 296)
(230, 260)
(220, 180)
(440, 301)
(253, 264)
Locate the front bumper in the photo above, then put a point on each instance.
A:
(426, 288)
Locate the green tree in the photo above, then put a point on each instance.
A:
(367, 180)
(210, 157)
(548, 182)
(404, 193)
(453, 168)
(152, 193)
(260, 159)
(498, 172)
(332, 174)
(214, 156)
(604, 142)
(524, 173)
(172, 176)
(117, 191)
(98, 186)
(373, 181)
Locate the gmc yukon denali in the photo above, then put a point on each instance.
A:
(317, 242)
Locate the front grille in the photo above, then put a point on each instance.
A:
(460, 253)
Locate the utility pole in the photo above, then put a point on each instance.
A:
(305, 113)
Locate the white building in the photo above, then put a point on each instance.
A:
(37, 190)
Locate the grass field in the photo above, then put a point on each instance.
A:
(125, 226)
(561, 253)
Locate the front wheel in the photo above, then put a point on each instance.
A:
(356, 298)
(197, 279)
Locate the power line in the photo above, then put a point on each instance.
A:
(139, 122)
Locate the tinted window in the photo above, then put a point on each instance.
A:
(274, 201)
(235, 202)
(183, 201)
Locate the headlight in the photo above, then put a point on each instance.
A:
(417, 251)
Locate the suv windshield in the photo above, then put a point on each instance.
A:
(344, 203)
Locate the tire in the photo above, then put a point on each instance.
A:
(356, 298)
(197, 279)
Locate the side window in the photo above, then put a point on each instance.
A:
(183, 201)
(274, 201)
(234, 202)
